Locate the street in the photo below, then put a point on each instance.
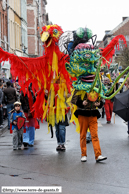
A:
(42, 165)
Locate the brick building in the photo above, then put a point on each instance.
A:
(3, 25)
(24, 39)
(4, 69)
(122, 28)
(36, 17)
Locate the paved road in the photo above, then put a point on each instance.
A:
(41, 165)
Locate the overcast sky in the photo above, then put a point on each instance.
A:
(97, 15)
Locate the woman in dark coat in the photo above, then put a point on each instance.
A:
(27, 101)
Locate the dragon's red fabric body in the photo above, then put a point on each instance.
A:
(42, 71)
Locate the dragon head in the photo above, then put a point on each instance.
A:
(50, 33)
(83, 63)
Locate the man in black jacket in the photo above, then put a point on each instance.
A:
(9, 98)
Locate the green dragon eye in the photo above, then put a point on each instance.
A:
(80, 32)
(88, 55)
(86, 65)
(89, 33)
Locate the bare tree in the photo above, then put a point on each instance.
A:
(123, 57)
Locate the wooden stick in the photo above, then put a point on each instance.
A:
(113, 103)
(114, 118)
(11, 111)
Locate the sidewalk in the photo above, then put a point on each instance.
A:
(5, 127)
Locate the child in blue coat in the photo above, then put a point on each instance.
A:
(17, 133)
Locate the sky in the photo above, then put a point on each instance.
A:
(97, 15)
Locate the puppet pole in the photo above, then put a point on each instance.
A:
(113, 102)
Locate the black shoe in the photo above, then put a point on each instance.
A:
(87, 141)
(58, 148)
(25, 145)
(108, 122)
(63, 148)
(30, 145)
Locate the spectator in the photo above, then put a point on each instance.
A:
(127, 85)
(108, 106)
(17, 133)
(1, 80)
(9, 98)
(4, 105)
(15, 86)
(60, 127)
(1, 109)
(12, 80)
(27, 103)
(127, 88)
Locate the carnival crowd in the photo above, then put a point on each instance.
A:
(14, 104)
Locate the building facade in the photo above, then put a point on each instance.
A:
(19, 23)
(14, 28)
(24, 39)
(36, 18)
(4, 67)
(3, 25)
(17, 27)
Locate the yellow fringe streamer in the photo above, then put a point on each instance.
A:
(55, 63)
(44, 77)
(27, 76)
(82, 93)
(48, 128)
(73, 108)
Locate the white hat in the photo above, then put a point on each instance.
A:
(17, 103)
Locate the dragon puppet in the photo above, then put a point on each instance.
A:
(85, 64)
(46, 73)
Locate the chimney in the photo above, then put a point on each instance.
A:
(123, 18)
(107, 31)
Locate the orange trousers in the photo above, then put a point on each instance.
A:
(91, 123)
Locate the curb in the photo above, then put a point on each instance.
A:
(5, 128)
